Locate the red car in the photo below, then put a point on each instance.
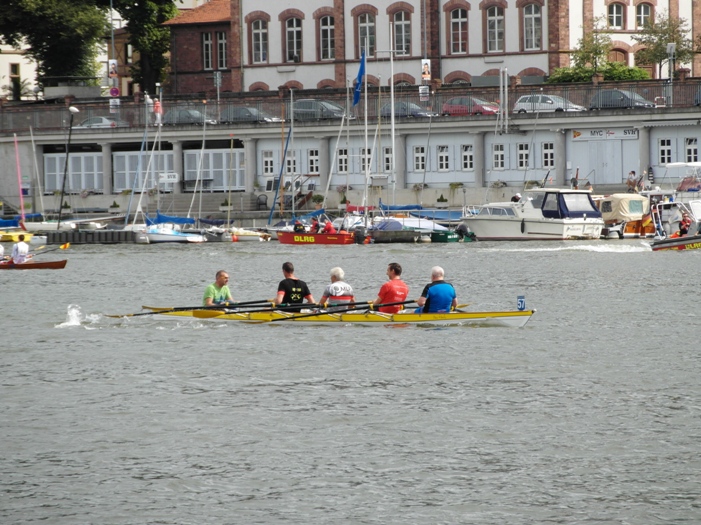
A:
(467, 105)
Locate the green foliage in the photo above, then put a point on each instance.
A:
(441, 199)
(17, 89)
(61, 35)
(149, 38)
(593, 48)
(655, 36)
(610, 71)
(317, 198)
(620, 71)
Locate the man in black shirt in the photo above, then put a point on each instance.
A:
(292, 290)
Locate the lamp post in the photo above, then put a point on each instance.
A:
(671, 50)
(72, 110)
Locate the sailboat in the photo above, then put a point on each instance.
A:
(161, 228)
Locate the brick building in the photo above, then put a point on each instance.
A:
(318, 43)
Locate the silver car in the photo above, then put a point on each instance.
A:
(545, 103)
(101, 122)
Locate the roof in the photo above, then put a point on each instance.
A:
(214, 11)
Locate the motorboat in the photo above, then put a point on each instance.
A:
(664, 240)
(626, 216)
(541, 214)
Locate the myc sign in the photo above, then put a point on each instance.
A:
(605, 134)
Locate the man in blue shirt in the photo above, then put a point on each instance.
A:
(438, 296)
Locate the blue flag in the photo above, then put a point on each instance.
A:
(359, 80)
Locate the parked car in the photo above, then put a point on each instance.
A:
(186, 116)
(102, 122)
(544, 103)
(468, 105)
(247, 114)
(312, 109)
(618, 98)
(405, 109)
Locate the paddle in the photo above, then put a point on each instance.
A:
(62, 247)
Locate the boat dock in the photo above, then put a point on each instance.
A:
(91, 237)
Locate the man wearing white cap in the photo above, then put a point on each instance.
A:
(516, 198)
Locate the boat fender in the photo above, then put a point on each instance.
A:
(523, 225)
(234, 238)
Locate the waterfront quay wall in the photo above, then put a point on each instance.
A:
(466, 160)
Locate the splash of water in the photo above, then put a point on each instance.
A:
(75, 317)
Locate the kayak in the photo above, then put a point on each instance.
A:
(34, 265)
(517, 318)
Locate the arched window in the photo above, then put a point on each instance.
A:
(258, 38)
(402, 33)
(458, 31)
(495, 29)
(366, 34)
(293, 40)
(532, 27)
(616, 18)
(643, 15)
(327, 38)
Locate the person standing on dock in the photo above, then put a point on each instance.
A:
(393, 291)
(292, 290)
(158, 111)
(218, 292)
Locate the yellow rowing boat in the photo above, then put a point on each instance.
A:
(516, 318)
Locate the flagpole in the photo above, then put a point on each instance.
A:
(365, 154)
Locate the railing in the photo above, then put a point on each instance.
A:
(20, 118)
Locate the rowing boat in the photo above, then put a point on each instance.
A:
(515, 319)
(34, 265)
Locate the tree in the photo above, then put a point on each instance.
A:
(61, 35)
(656, 34)
(593, 48)
(148, 37)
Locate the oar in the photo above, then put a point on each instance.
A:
(216, 307)
(350, 309)
(62, 247)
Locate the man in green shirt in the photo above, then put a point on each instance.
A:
(218, 292)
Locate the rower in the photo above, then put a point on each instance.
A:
(338, 292)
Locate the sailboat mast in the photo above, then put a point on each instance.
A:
(391, 97)
(19, 180)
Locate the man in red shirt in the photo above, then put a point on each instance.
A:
(393, 291)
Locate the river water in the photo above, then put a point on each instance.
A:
(590, 414)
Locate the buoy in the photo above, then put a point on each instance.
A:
(234, 238)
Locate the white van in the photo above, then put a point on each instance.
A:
(545, 103)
